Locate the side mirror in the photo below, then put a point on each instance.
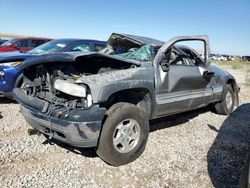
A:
(164, 65)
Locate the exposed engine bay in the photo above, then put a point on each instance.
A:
(55, 83)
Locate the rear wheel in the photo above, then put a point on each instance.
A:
(124, 134)
(226, 106)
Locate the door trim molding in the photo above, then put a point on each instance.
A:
(180, 96)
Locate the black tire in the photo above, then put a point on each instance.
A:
(222, 107)
(120, 112)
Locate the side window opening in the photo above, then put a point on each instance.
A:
(177, 58)
(174, 57)
(194, 58)
(194, 51)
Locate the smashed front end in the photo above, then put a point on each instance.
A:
(55, 106)
(56, 98)
(60, 94)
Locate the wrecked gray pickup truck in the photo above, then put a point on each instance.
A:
(105, 100)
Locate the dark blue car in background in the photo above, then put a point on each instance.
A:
(11, 75)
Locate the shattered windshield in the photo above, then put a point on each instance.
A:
(141, 54)
(128, 48)
(138, 54)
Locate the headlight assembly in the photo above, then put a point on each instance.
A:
(2, 73)
(70, 88)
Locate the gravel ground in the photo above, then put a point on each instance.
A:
(194, 149)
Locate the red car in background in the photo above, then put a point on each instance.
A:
(22, 44)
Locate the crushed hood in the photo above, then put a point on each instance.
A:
(71, 57)
(107, 77)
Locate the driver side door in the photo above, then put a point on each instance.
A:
(181, 85)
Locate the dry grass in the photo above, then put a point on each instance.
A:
(237, 64)
(247, 82)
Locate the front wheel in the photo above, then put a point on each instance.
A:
(124, 134)
(226, 106)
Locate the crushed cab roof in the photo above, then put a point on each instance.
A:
(140, 39)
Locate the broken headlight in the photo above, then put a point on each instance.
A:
(71, 88)
(75, 90)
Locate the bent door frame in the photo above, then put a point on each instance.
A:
(168, 103)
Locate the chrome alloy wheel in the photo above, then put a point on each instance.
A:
(126, 135)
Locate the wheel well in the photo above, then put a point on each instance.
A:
(232, 83)
(139, 97)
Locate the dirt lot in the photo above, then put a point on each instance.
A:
(194, 149)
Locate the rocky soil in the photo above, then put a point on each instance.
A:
(194, 149)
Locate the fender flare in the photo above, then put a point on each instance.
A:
(112, 89)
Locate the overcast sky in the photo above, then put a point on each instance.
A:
(226, 22)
